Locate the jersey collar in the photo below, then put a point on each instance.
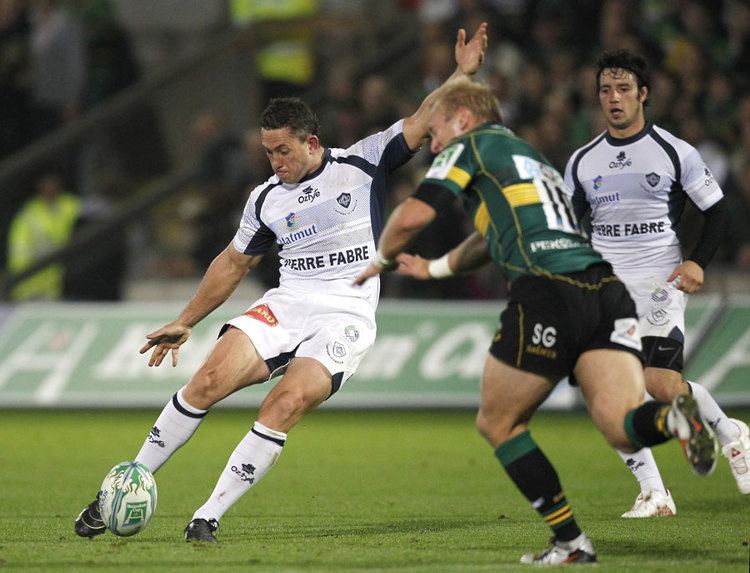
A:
(319, 170)
(617, 142)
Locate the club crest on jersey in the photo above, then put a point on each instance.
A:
(652, 179)
(345, 199)
(621, 161)
(598, 181)
(291, 218)
(658, 316)
(336, 351)
(308, 195)
(263, 314)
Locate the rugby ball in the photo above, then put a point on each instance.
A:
(128, 498)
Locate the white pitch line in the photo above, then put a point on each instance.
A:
(737, 355)
(24, 357)
(52, 386)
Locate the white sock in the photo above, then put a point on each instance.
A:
(174, 426)
(725, 429)
(249, 462)
(644, 468)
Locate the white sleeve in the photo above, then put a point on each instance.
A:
(372, 147)
(698, 182)
(253, 237)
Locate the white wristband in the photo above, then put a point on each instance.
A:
(439, 268)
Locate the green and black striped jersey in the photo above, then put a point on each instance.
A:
(515, 199)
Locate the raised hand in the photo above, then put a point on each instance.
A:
(469, 56)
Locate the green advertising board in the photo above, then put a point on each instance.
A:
(426, 355)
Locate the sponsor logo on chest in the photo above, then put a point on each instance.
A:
(335, 259)
(299, 235)
(621, 161)
(308, 195)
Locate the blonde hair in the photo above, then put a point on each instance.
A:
(474, 96)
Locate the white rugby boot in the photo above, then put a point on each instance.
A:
(580, 550)
(738, 456)
(652, 504)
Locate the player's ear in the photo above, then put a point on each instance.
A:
(313, 142)
(465, 117)
(643, 95)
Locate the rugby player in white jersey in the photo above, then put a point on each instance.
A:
(324, 209)
(635, 179)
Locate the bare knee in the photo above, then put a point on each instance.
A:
(205, 389)
(665, 385)
(282, 410)
(611, 424)
(498, 429)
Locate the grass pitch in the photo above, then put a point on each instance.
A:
(353, 491)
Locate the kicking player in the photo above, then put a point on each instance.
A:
(635, 179)
(567, 314)
(324, 208)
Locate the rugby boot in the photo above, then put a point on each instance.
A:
(579, 550)
(738, 456)
(201, 530)
(89, 522)
(653, 503)
(696, 437)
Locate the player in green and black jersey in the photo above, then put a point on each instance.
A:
(567, 314)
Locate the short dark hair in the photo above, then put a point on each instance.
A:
(292, 113)
(624, 60)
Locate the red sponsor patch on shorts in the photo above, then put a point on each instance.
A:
(262, 313)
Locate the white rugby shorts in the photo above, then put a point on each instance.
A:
(336, 331)
(660, 307)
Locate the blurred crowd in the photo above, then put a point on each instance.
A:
(58, 58)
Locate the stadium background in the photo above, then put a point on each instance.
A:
(159, 141)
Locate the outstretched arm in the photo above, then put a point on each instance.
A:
(406, 221)
(469, 57)
(470, 255)
(221, 279)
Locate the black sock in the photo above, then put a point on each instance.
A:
(534, 475)
(646, 425)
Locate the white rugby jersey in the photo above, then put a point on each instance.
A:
(327, 226)
(637, 188)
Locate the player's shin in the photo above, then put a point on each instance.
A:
(646, 425)
(534, 475)
(174, 426)
(249, 462)
(644, 468)
(726, 430)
